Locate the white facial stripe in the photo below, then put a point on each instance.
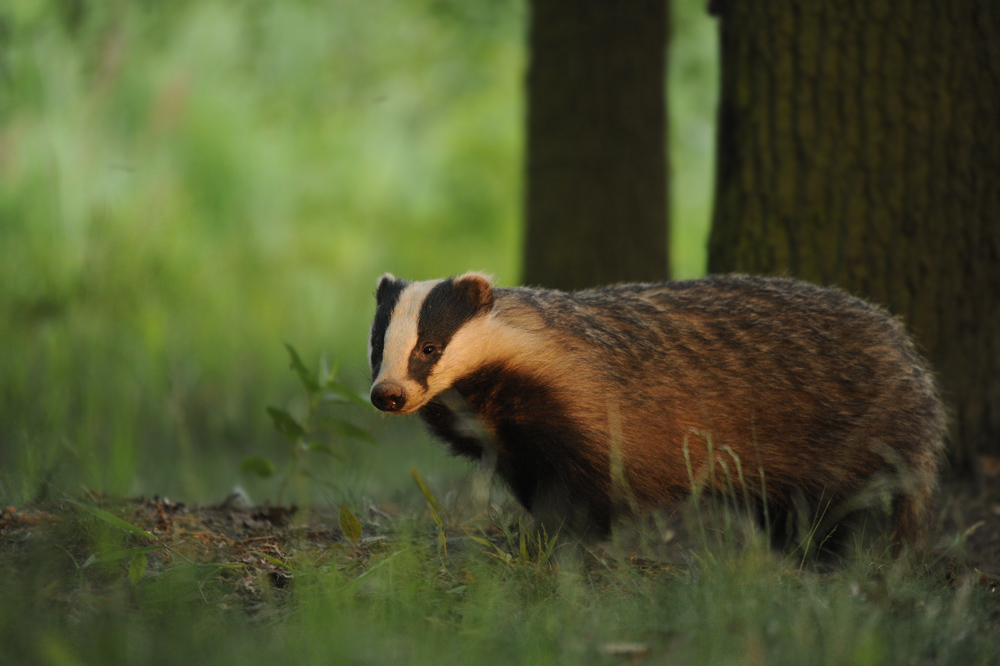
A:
(481, 340)
(487, 340)
(468, 348)
(401, 336)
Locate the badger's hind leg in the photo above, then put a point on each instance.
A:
(906, 512)
(911, 508)
(910, 513)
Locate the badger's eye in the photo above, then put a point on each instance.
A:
(429, 350)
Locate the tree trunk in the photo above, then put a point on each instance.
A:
(596, 204)
(859, 145)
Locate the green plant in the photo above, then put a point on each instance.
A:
(137, 555)
(305, 437)
(435, 510)
(534, 547)
(138, 561)
(350, 526)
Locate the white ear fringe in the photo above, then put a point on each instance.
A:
(476, 275)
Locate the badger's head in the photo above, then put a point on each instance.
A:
(421, 341)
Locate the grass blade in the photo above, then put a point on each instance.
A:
(112, 519)
(432, 502)
(119, 555)
(137, 568)
(273, 560)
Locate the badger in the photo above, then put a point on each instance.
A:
(595, 404)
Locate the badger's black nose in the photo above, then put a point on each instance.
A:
(388, 396)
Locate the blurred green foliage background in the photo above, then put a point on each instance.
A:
(186, 185)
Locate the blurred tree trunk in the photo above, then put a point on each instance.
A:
(596, 204)
(859, 145)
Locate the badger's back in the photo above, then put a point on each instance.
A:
(687, 382)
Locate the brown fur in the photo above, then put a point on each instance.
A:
(814, 391)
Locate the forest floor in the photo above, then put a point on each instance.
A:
(257, 543)
(112, 580)
(972, 512)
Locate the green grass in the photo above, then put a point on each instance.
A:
(401, 600)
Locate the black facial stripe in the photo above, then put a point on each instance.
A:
(387, 297)
(444, 311)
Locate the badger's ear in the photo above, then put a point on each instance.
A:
(477, 289)
(384, 285)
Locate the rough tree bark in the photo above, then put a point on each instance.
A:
(596, 203)
(859, 145)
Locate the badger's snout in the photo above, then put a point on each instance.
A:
(388, 396)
